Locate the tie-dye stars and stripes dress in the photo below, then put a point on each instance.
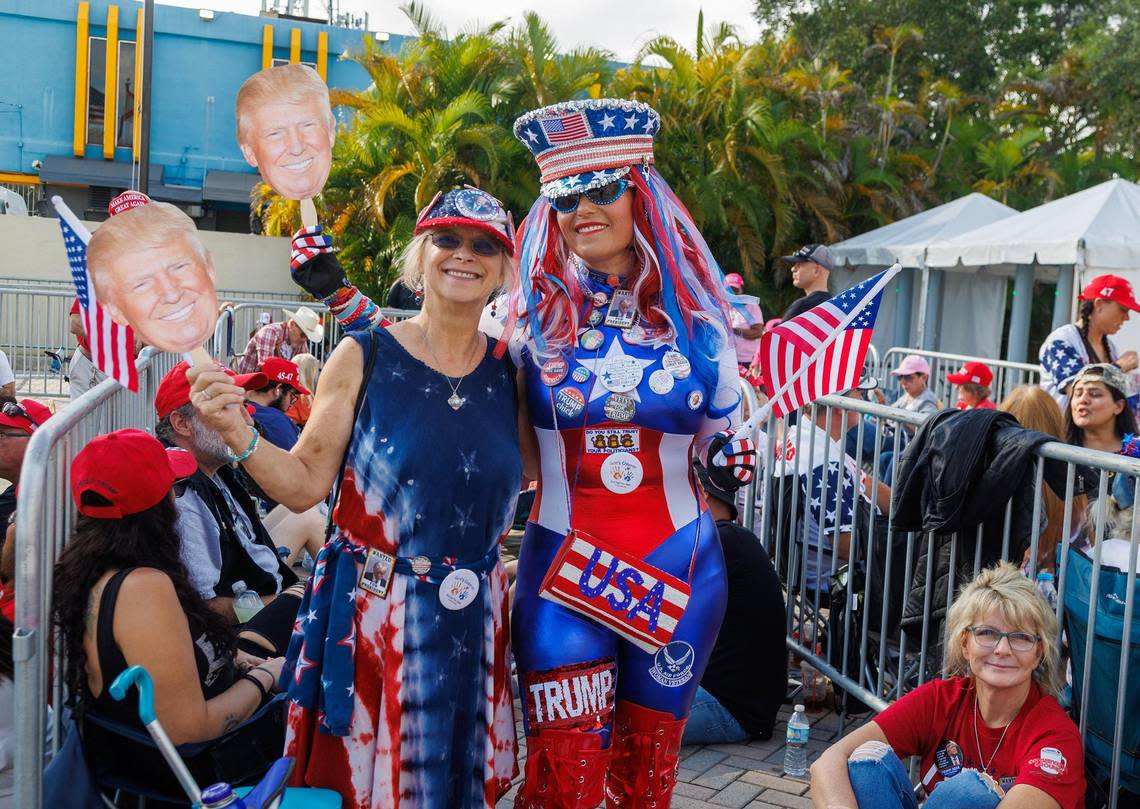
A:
(398, 701)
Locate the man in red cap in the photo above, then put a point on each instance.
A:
(972, 383)
(269, 402)
(18, 420)
(223, 539)
(1105, 304)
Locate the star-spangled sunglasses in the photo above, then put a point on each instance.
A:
(607, 194)
(479, 246)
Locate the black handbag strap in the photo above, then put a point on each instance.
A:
(334, 495)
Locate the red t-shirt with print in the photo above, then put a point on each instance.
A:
(1042, 746)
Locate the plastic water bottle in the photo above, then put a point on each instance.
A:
(216, 796)
(1046, 588)
(247, 603)
(795, 753)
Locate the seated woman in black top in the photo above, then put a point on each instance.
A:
(122, 598)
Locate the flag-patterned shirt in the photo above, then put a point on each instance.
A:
(1062, 356)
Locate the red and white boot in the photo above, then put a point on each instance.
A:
(565, 769)
(646, 753)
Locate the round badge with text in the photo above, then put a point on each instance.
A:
(595, 317)
(621, 472)
(570, 402)
(458, 589)
(661, 381)
(554, 371)
(591, 340)
(580, 374)
(476, 204)
(677, 364)
(695, 399)
(600, 298)
(621, 373)
(620, 407)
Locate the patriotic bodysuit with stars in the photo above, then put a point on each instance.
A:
(399, 701)
(617, 465)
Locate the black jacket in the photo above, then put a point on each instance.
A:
(959, 471)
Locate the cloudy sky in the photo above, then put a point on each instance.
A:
(621, 27)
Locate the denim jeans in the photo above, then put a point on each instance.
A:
(879, 781)
(711, 723)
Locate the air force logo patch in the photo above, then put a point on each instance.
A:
(673, 664)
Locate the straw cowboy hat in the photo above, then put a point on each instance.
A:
(308, 322)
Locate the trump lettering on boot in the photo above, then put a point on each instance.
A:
(577, 697)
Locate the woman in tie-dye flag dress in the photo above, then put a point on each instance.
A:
(397, 671)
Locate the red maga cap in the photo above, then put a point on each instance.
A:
(977, 373)
(174, 389)
(26, 415)
(1112, 288)
(127, 200)
(128, 467)
(282, 372)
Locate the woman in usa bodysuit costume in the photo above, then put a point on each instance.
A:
(619, 328)
(618, 325)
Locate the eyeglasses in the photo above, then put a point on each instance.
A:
(607, 194)
(479, 246)
(988, 638)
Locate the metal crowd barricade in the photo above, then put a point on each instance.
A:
(34, 334)
(1007, 375)
(44, 519)
(864, 626)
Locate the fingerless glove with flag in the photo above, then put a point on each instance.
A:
(732, 461)
(315, 269)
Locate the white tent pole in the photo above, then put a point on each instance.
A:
(923, 293)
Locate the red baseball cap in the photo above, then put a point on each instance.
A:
(1112, 288)
(977, 373)
(174, 389)
(282, 372)
(130, 468)
(26, 415)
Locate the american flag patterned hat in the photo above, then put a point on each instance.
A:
(585, 144)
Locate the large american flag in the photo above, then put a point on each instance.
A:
(821, 351)
(112, 346)
(565, 128)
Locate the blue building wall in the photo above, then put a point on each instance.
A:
(198, 66)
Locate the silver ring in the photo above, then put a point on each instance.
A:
(206, 395)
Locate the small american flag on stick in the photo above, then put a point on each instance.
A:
(112, 346)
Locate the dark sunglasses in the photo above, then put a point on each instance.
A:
(607, 194)
(908, 377)
(479, 246)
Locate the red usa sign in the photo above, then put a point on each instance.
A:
(629, 596)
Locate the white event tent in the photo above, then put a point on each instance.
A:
(1085, 234)
(974, 301)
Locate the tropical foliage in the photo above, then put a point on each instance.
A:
(829, 125)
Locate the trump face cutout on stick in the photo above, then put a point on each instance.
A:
(152, 273)
(285, 129)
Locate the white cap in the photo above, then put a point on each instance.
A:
(800, 709)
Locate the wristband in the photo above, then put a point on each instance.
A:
(261, 689)
(248, 450)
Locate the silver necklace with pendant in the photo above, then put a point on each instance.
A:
(454, 400)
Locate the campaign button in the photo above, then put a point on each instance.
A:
(661, 381)
(621, 472)
(623, 309)
(591, 340)
(421, 565)
(595, 317)
(621, 373)
(570, 402)
(695, 399)
(458, 589)
(620, 407)
(580, 374)
(554, 371)
(677, 364)
(634, 335)
(600, 298)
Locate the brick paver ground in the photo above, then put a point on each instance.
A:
(743, 776)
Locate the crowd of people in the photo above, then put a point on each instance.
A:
(363, 515)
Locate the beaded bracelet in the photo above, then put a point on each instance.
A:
(248, 450)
